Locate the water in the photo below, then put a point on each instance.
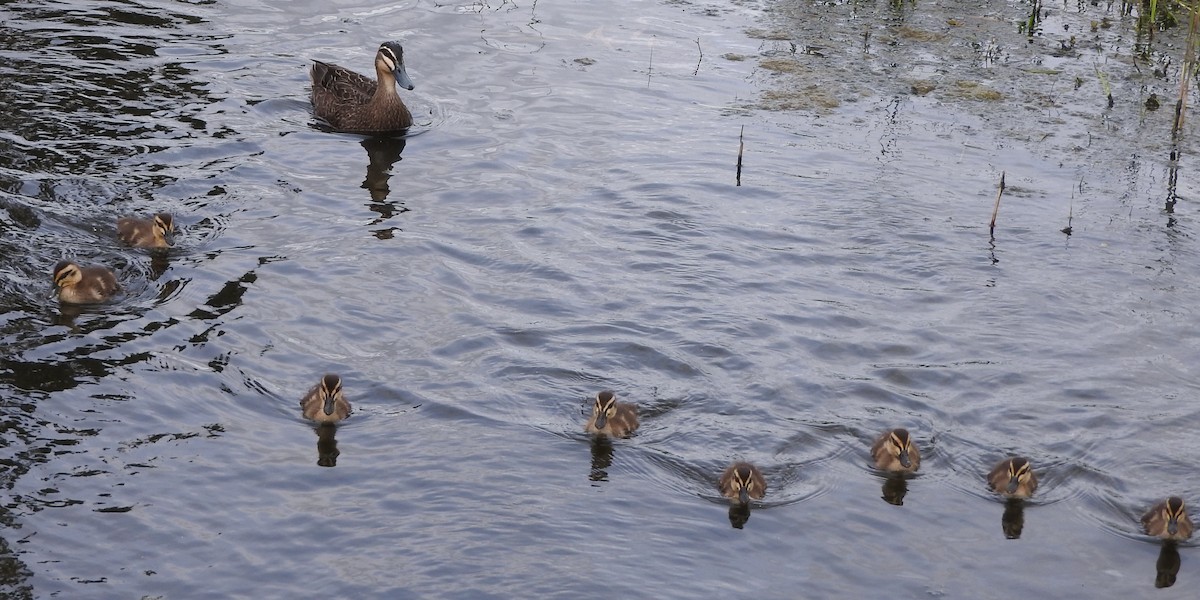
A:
(565, 219)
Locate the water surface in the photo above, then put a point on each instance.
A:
(565, 218)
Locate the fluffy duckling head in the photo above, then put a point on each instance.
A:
(604, 408)
(1169, 520)
(164, 228)
(743, 481)
(66, 274)
(330, 390)
(899, 445)
(1019, 474)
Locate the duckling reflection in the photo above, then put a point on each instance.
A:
(738, 515)
(325, 403)
(612, 418)
(895, 451)
(84, 285)
(1166, 568)
(1013, 478)
(602, 457)
(382, 153)
(159, 262)
(1012, 522)
(895, 487)
(327, 450)
(1168, 520)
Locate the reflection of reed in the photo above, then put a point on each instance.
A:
(382, 152)
(602, 451)
(894, 489)
(327, 451)
(1013, 520)
(1167, 566)
(738, 514)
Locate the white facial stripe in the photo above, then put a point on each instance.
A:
(389, 58)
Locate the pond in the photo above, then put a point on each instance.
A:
(764, 223)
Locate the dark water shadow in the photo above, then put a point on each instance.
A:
(14, 574)
(327, 450)
(1012, 522)
(1167, 566)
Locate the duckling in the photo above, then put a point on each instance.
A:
(741, 482)
(895, 451)
(1168, 520)
(155, 232)
(1013, 478)
(353, 103)
(612, 418)
(84, 285)
(325, 403)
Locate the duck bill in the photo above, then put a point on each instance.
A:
(329, 405)
(904, 460)
(601, 421)
(1013, 482)
(744, 496)
(1173, 526)
(402, 79)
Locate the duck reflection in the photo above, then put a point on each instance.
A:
(382, 152)
(895, 487)
(602, 452)
(1013, 519)
(327, 450)
(1167, 566)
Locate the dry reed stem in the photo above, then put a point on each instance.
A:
(741, 148)
(996, 209)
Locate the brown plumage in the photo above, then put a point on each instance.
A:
(1013, 478)
(325, 403)
(154, 232)
(895, 451)
(741, 482)
(353, 103)
(1168, 520)
(84, 285)
(612, 418)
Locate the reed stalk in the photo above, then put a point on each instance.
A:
(741, 148)
(996, 209)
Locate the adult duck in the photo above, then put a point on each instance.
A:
(352, 103)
